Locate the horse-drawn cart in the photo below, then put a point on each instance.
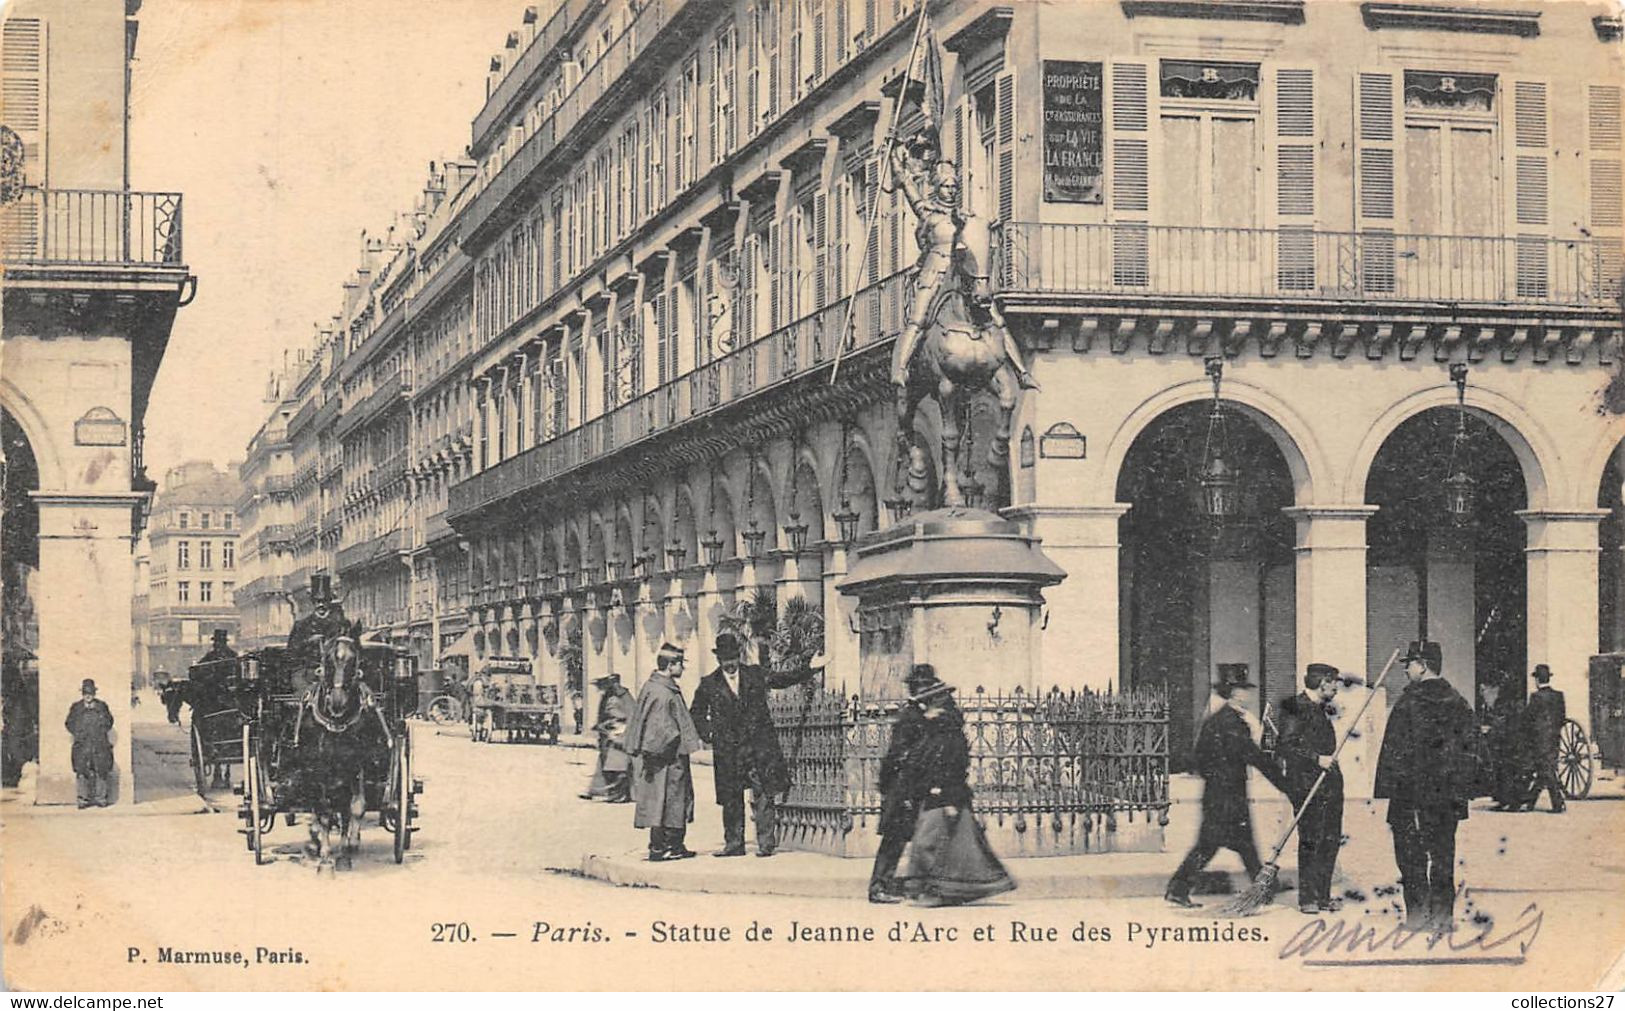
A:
(214, 742)
(514, 705)
(324, 733)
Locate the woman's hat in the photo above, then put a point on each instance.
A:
(923, 683)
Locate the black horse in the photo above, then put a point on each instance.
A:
(337, 737)
(209, 695)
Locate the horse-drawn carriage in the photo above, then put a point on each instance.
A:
(324, 732)
(513, 704)
(215, 741)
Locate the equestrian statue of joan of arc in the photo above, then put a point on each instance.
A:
(931, 186)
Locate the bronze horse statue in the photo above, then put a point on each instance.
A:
(335, 738)
(962, 354)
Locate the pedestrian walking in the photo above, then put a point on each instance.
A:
(611, 778)
(927, 804)
(1226, 746)
(1499, 722)
(730, 712)
(1426, 771)
(91, 722)
(1542, 728)
(1308, 741)
(660, 738)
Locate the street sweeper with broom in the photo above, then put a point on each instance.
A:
(1226, 747)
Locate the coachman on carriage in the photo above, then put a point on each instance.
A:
(324, 733)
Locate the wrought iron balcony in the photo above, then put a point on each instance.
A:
(92, 227)
(784, 354)
(1302, 264)
(370, 551)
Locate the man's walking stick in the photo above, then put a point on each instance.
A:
(1254, 898)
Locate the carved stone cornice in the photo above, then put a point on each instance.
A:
(1286, 12)
(1446, 18)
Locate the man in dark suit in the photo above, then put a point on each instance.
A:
(1225, 747)
(90, 721)
(1543, 718)
(730, 712)
(1427, 770)
(1307, 743)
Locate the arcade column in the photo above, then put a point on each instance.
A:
(1331, 620)
(840, 621)
(87, 567)
(1562, 552)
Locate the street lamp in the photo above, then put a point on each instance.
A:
(795, 531)
(755, 535)
(847, 518)
(1460, 489)
(1219, 480)
(712, 545)
(675, 555)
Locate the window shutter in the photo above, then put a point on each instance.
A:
(837, 235)
(776, 288)
(1296, 145)
(1607, 209)
(821, 245)
(871, 207)
(1376, 203)
(670, 313)
(1527, 124)
(1007, 147)
(712, 126)
(818, 21)
(23, 54)
(1129, 157)
(843, 30)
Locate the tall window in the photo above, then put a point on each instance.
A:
(205, 554)
(1210, 143)
(688, 123)
(226, 520)
(724, 53)
(1451, 156)
(205, 592)
(203, 521)
(654, 154)
(185, 519)
(228, 555)
(183, 554)
(485, 429)
(183, 592)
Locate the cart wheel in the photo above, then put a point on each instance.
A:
(402, 799)
(197, 760)
(254, 789)
(1574, 761)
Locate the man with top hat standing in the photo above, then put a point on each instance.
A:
(730, 712)
(1427, 771)
(659, 738)
(1226, 746)
(610, 779)
(218, 649)
(1543, 718)
(90, 722)
(1307, 743)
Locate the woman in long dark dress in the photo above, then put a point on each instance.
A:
(950, 861)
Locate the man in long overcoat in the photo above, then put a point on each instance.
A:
(1426, 771)
(610, 779)
(730, 711)
(1307, 743)
(660, 738)
(1226, 747)
(1543, 718)
(899, 803)
(1501, 722)
(90, 721)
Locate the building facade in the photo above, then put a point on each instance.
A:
(94, 275)
(668, 233)
(194, 542)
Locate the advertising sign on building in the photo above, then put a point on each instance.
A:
(1074, 141)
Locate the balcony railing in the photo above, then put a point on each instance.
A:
(783, 354)
(1127, 259)
(370, 551)
(92, 227)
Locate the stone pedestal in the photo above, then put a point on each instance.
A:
(85, 553)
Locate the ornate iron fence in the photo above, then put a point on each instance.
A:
(1061, 765)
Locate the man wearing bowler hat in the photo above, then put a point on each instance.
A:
(730, 710)
(90, 722)
(1308, 740)
(1543, 718)
(1427, 771)
(1225, 747)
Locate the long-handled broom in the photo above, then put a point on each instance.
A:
(1263, 887)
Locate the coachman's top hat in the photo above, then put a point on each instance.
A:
(321, 588)
(1233, 675)
(1542, 673)
(727, 647)
(219, 637)
(1427, 651)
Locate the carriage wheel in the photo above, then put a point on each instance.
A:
(254, 797)
(197, 760)
(444, 709)
(1574, 761)
(402, 798)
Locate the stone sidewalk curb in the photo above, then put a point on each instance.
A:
(814, 875)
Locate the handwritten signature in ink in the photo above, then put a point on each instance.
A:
(1327, 941)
